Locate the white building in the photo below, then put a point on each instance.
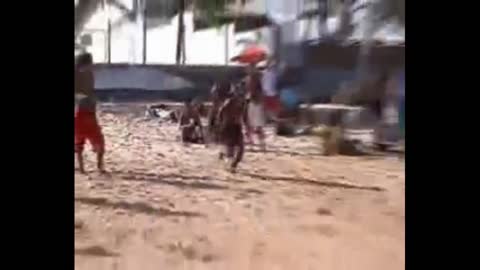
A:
(212, 46)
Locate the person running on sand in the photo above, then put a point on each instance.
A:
(86, 123)
(218, 94)
(255, 109)
(191, 125)
(230, 117)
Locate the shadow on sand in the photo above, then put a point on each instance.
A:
(194, 182)
(185, 182)
(304, 181)
(280, 151)
(137, 207)
(96, 251)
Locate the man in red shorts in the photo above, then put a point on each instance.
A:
(86, 124)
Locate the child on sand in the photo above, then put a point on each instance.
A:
(191, 125)
(230, 116)
(86, 124)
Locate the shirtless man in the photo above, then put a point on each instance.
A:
(219, 94)
(191, 125)
(86, 123)
(230, 116)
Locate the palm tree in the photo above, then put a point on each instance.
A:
(84, 9)
(180, 54)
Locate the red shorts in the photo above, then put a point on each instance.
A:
(272, 104)
(87, 128)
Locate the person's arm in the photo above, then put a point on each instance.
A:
(184, 120)
(222, 108)
(213, 92)
(181, 119)
(198, 122)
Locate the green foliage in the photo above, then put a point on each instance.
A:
(211, 9)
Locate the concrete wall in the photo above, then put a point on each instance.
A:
(121, 82)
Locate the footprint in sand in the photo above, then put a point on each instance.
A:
(186, 250)
(324, 212)
(322, 229)
(209, 258)
(122, 236)
(97, 251)
(258, 249)
(380, 200)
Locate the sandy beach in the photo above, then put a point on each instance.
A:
(169, 206)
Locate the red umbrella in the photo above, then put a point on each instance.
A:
(251, 55)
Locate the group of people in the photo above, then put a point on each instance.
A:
(238, 111)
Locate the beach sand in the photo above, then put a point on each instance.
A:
(169, 206)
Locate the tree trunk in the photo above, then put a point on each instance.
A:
(109, 42)
(180, 33)
(83, 12)
(227, 42)
(109, 32)
(345, 28)
(144, 21)
(323, 11)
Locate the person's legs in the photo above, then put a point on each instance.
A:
(79, 145)
(199, 135)
(80, 139)
(239, 150)
(230, 141)
(261, 138)
(98, 143)
(247, 123)
(256, 120)
(223, 140)
(100, 161)
(187, 133)
(89, 129)
(212, 125)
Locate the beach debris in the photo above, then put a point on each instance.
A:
(162, 112)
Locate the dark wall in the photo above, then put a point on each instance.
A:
(330, 54)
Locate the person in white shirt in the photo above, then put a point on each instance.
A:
(269, 88)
